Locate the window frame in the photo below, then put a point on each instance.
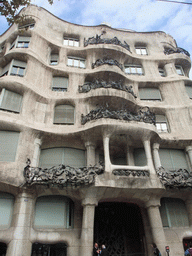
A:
(60, 88)
(162, 72)
(132, 67)
(162, 126)
(28, 26)
(189, 91)
(10, 108)
(54, 59)
(20, 39)
(76, 60)
(180, 69)
(56, 115)
(143, 97)
(69, 41)
(138, 50)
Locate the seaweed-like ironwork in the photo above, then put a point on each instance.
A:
(108, 61)
(61, 175)
(168, 51)
(175, 179)
(87, 86)
(98, 40)
(143, 115)
(125, 172)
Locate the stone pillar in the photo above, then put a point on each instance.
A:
(147, 148)
(129, 155)
(106, 153)
(169, 69)
(156, 224)
(20, 244)
(87, 232)
(90, 146)
(188, 204)
(156, 157)
(36, 154)
(189, 151)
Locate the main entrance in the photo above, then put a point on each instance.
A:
(119, 226)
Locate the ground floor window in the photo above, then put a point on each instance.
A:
(59, 249)
(3, 249)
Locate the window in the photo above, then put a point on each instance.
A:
(76, 62)
(53, 212)
(9, 142)
(18, 68)
(189, 90)
(162, 72)
(68, 156)
(10, 101)
(71, 42)
(140, 157)
(141, 50)
(64, 114)
(2, 46)
(149, 94)
(6, 209)
(173, 159)
(60, 83)
(161, 123)
(134, 69)
(179, 70)
(27, 26)
(54, 60)
(49, 249)
(23, 42)
(173, 213)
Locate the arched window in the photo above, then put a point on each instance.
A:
(6, 210)
(68, 156)
(173, 212)
(53, 212)
(64, 114)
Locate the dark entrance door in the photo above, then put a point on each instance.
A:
(59, 249)
(3, 249)
(187, 242)
(119, 226)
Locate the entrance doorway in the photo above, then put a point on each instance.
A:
(187, 242)
(59, 249)
(3, 249)
(119, 226)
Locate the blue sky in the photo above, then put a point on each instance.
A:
(139, 15)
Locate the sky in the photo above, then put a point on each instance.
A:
(138, 15)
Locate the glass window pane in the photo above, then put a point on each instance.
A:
(21, 71)
(143, 51)
(76, 63)
(76, 43)
(82, 64)
(70, 42)
(65, 41)
(70, 62)
(133, 70)
(139, 71)
(138, 51)
(9, 142)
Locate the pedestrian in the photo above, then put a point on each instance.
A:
(103, 251)
(156, 250)
(95, 249)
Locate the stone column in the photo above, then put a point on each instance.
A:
(90, 146)
(147, 148)
(87, 232)
(189, 151)
(156, 224)
(36, 154)
(20, 244)
(169, 69)
(129, 155)
(106, 153)
(188, 204)
(156, 157)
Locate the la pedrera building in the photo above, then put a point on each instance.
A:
(95, 140)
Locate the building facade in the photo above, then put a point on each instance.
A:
(95, 140)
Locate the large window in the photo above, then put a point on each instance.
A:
(6, 210)
(179, 70)
(68, 156)
(9, 142)
(141, 50)
(132, 69)
(71, 42)
(10, 101)
(173, 213)
(162, 72)
(14, 68)
(140, 157)
(27, 26)
(21, 42)
(149, 94)
(53, 212)
(54, 59)
(76, 62)
(173, 159)
(60, 83)
(161, 123)
(64, 114)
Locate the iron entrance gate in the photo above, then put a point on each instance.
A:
(49, 249)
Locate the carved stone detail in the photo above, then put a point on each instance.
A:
(87, 86)
(143, 115)
(124, 172)
(175, 179)
(61, 175)
(98, 40)
(176, 50)
(108, 61)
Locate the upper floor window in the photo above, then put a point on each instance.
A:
(14, 68)
(173, 159)
(189, 90)
(179, 70)
(161, 123)
(6, 210)
(173, 213)
(54, 59)
(149, 94)
(141, 50)
(9, 142)
(21, 42)
(132, 69)
(68, 156)
(162, 72)
(53, 212)
(2, 46)
(60, 83)
(76, 62)
(27, 26)
(64, 114)
(10, 101)
(71, 42)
